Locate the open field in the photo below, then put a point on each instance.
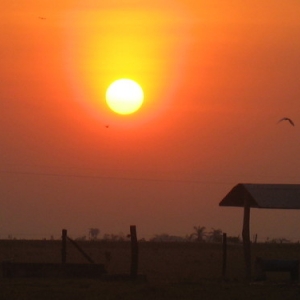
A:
(173, 270)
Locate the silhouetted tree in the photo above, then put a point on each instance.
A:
(167, 238)
(215, 235)
(199, 234)
(93, 233)
(279, 241)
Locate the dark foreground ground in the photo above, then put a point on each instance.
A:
(173, 270)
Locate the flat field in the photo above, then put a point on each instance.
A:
(173, 270)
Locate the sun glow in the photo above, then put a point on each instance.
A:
(124, 96)
(147, 41)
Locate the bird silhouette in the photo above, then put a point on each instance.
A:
(286, 119)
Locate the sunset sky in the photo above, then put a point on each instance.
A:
(216, 75)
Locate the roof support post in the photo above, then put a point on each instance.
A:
(246, 239)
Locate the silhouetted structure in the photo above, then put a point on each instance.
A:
(272, 196)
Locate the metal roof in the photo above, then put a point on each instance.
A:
(283, 196)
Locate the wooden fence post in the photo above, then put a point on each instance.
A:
(64, 246)
(246, 239)
(134, 252)
(224, 265)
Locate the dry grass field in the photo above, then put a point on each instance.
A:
(173, 270)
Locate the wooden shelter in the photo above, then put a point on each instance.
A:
(272, 196)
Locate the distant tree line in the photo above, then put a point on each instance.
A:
(199, 235)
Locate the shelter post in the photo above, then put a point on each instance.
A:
(246, 239)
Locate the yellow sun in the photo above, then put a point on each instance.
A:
(124, 96)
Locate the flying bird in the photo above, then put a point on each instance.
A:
(286, 119)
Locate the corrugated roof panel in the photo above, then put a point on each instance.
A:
(281, 196)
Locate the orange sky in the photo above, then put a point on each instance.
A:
(217, 76)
